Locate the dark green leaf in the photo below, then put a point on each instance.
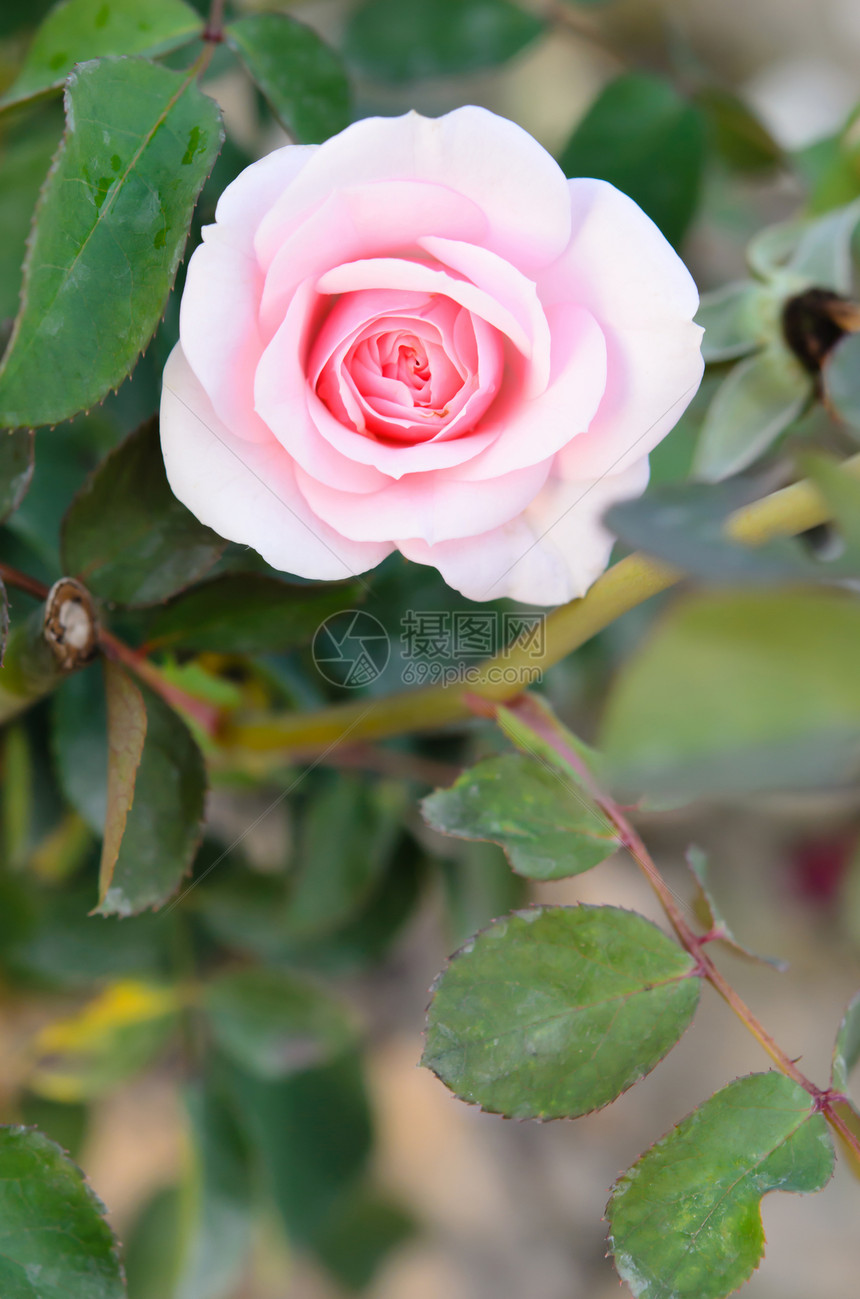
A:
(688, 527)
(109, 232)
(646, 139)
(16, 468)
(312, 1135)
(358, 1238)
(274, 1024)
(439, 38)
(555, 1011)
(247, 613)
(66, 1124)
(301, 77)
(348, 836)
(685, 1220)
(218, 1236)
(79, 741)
(163, 828)
(126, 721)
(24, 158)
(87, 29)
(712, 917)
(739, 137)
(846, 1052)
(126, 536)
(4, 621)
(533, 811)
(841, 376)
(54, 1241)
(59, 945)
(737, 692)
(738, 319)
(755, 403)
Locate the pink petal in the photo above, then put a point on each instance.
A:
(407, 276)
(355, 223)
(434, 506)
(486, 158)
(620, 267)
(247, 492)
(548, 555)
(531, 430)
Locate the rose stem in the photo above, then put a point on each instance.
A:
(543, 727)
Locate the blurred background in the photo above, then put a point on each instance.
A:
(474, 1207)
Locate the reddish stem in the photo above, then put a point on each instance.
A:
(542, 726)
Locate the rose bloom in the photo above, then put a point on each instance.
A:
(420, 336)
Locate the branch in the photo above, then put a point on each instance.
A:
(621, 588)
(544, 727)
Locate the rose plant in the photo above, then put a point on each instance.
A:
(409, 338)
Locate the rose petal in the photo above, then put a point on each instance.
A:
(247, 492)
(621, 268)
(490, 160)
(413, 277)
(435, 507)
(530, 431)
(548, 555)
(507, 286)
(355, 223)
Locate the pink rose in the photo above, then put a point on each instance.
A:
(419, 336)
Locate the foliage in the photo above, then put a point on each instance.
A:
(143, 911)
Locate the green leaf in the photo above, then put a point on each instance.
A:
(739, 137)
(219, 1200)
(274, 1024)
(87, 29)
(301, 77)
(357, 1239)
(108, 235)
(4, 621)
(163, 828)
(66, 1124)
(54, 1241)
(754, 404)
(841, 377)
(126, 723)
(251, 613)
(537, 814)
(312, 1135)
(712, 917)
(399, 43)
(126, 536)
(25, 157)
(685, 1220)
(109, 1040)
(780, 708)
(846, 1051)
(80, 745)
(645, 138)
(688, 527)
(737, 319)
(823, 251)
(347, 838)
(554, 1012)
(16, 468)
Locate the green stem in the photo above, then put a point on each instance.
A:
(621, 588)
